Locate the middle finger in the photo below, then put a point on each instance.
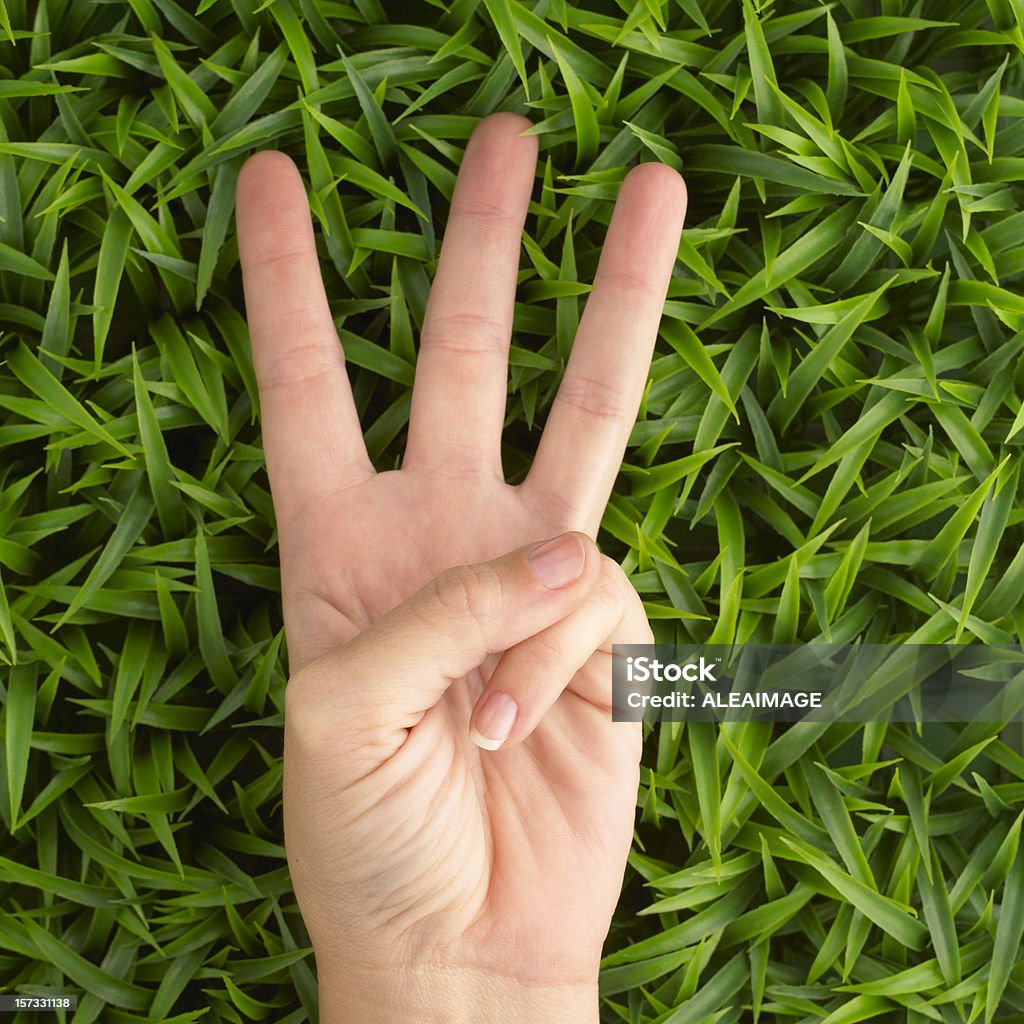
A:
(458, 399)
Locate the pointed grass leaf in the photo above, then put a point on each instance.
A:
(166, 499)
(130, 525)
(995, 514)
(509, 32)
(938, 915)
(211, 640)
(887, 913)
(14, 261)
(381, 133)
(110, 270)
(19, 715)
(1008, 936)
(40, 381)
(945, 544)
(584, 118)
(87, 975)
(682, 338)
(218, 217)
(196, 105)
(787, 816)
(283, 12)
(762, 68)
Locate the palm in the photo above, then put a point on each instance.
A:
(457, 803)
(553, 814)
(430, 524)
(539, 835)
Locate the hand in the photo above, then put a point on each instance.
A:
(415, 854)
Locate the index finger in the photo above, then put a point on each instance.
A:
(311, 432)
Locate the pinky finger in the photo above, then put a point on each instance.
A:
(532, 675)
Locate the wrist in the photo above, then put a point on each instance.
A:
(442, 994)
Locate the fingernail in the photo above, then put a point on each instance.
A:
(493, 721)
(557, 563)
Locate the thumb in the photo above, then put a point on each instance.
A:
(391, 673)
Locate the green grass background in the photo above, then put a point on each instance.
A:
(828, 450)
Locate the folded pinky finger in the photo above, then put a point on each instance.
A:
(532, 675)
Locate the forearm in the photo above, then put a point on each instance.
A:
(449, 996)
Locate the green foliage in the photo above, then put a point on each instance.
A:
(828, 450)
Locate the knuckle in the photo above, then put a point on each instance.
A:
(465, 334)
(614, 572)
(309, 364)
(488, 592)
(285, 260)
(468, 592)
(592, 396)
(622, 278)
(489, 214)
(323, 697)
(553, 503)
(612, 584)
(628, 606)
(450, 591)
(546, 650)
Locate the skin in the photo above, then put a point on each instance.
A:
(439, 880)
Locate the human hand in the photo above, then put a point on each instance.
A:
(385, 794)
